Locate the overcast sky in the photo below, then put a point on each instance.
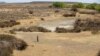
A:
(87, 1)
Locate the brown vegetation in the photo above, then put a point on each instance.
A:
(98, 54)
(70, 14)
(8, 43)
(89, 25)
(8, 23)
(62, 30)
(31, 29)
(86, 11)
(13, 15)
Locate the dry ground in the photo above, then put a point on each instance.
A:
(59, 44)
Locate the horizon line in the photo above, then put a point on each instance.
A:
(47, 1)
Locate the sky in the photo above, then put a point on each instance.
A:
(86, 1)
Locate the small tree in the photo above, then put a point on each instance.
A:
(59, 5)
(78, 5)
(91, 6)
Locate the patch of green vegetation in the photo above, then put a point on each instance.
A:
(97, 7)
(78, 5)
(59, 5)
(91, 6)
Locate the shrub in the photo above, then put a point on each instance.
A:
(42, 29)
(61, 30)
(50, 6)
(30, 12)
(97, 7)
(78, 5)
(95, 31)
(68, 6)
(91, 6)
(64, 30)
(87, 11)
(8, 43)
(70, 14)
(32, 29)
(42, 19)
(16, 43)
(37, 29)
(59, 5)
(74, 9)
(5, 49)
(14, 15)
(12, 31)
(22, 29)
(98, 54)
(57, 11)
(8, 23)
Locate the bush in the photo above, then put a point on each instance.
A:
(70, 14)
(95, 31)
(42, 19)
(74, 9)
(14, 42)
(42, 29)
(31, 29)
(37, 29)
(22, 29)
(64, 30)
(57, 11)
(8, 23)
(91, 6)
(59, 5)
(12, 31)
(98, 54)
(14, 15)
(78, 5)
(30, 12)
(97, 7)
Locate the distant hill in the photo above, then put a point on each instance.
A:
(2, 2)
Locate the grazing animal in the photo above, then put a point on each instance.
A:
(8, 43)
